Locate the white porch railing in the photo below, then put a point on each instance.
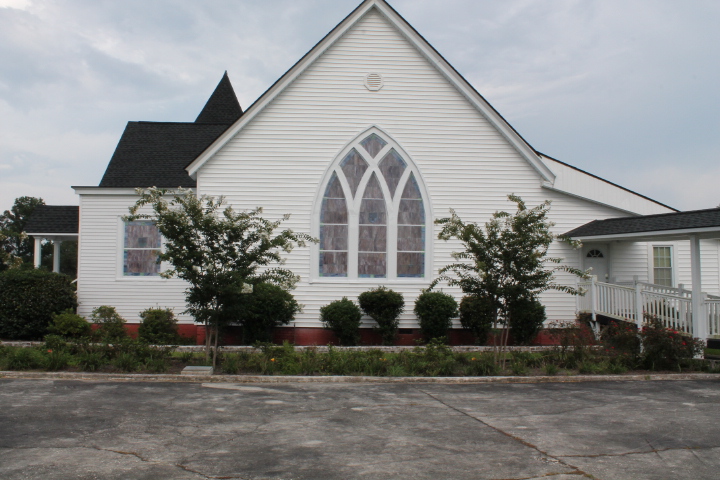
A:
(713, 312)
(672, 306)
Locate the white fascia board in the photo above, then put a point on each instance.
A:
(549, 186)
(114, 191)
(423, 47)
(47, 235)
(703, 233)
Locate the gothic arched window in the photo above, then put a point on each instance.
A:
(372, 213)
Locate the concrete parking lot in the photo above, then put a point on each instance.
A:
(60, 429)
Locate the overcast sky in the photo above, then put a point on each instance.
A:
(626, 89)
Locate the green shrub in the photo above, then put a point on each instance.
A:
(29, 298)
(343, 318)
(91, 361)
(127, 362)
(158, 327)
(69, 325)
(621, 338)
(477, 314)
(267, 307)
(55, 342)
(56, 360)
(384, 306)
(664, 348)
(231, 364)
(111, 326)
(435, 311)
(22, 358)
(527, 316)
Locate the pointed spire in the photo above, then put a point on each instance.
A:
(222, 106)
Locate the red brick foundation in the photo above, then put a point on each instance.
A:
(320, 336)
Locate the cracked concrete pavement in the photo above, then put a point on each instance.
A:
(66, 429)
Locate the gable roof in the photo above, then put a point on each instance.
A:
(222, 106)
(58, 219)
(425, 49)
(155, 154)
(694, 221)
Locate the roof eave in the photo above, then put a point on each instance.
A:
(667, 235)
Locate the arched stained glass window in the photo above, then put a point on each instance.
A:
(411, 232)
(373, 213)
(373, 144)
(392, 168)
(354, 167)
(372, 248)
(334, 231)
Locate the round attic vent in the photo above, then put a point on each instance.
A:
(373, 82)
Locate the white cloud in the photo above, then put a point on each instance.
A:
(625, 90)
(17, 4)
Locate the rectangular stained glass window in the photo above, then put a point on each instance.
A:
(141, 247)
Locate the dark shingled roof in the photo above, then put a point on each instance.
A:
(222, 106)
(54, 219)
(649, 223)
(155, 154)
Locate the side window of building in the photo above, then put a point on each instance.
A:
(662, 265)
(141, 246)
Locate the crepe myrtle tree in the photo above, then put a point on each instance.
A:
(219, 252)
(505, 260)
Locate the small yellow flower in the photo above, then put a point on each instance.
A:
(272, 359)
(473, 359)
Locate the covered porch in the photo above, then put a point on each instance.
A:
(690, 310)
(53, 223)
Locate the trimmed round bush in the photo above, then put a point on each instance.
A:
(343, 318)
(111, 326)
(158, 327)
(477, 315)
(384, 306)
(435, 311)
(28, 300)
(267, 307)
(69, 325)
(527, 316)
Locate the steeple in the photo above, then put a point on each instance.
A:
(222, 106)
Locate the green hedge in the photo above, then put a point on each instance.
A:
(435, 311)
(343, 318)
(29, 299)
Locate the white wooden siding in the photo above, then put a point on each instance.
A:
(99, 279)
(278, 160)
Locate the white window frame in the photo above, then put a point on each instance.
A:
(673, 260)
(354, 204)
(120, 264)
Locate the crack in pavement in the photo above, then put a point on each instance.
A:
(132, 454)
(639, 452)
(509, 435)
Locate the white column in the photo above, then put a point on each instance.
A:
(56, 255)
(38, 254)
(699, 318)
